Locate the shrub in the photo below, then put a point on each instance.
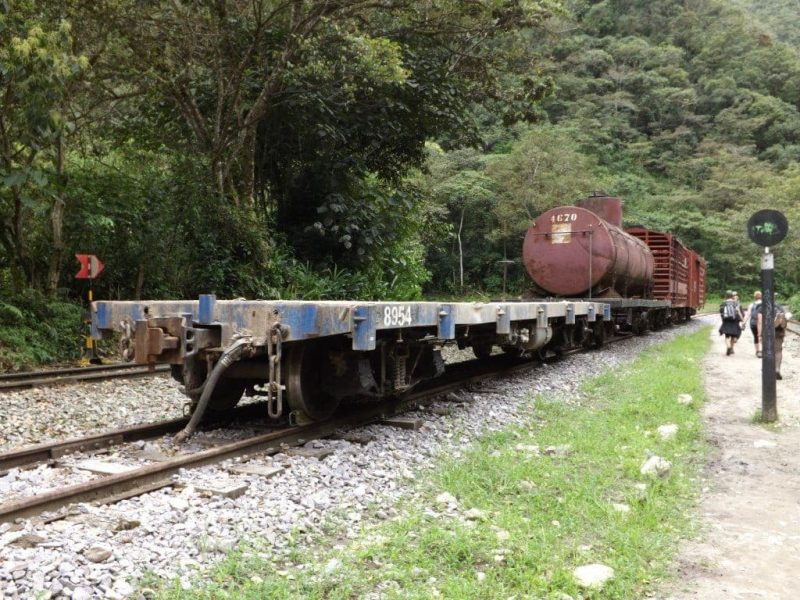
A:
(35, 330)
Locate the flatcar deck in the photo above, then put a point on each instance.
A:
(304, 320)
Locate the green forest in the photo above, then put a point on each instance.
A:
(374, 150)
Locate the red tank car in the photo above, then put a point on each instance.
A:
(582, 251)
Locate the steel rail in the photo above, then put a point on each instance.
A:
(48, 451)
(18, 381)
(120, 483)
(67, 370)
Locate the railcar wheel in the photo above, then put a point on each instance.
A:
(482, 349)
(305, 384)
(596, 338)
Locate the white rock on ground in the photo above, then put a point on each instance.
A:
(474, 514)
(684, 399)
(656, 466)
(621, 507)
(593, 576)
(764, 444)
(668, 432)
(446, 498)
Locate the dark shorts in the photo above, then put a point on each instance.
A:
(730, 329)
(755, 335)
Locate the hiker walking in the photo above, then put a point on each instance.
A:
(752, 316)
(781, 317)
(731, 322)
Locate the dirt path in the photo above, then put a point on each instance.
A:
(750, 509)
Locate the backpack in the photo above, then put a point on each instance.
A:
(729, 311)
(754, 310)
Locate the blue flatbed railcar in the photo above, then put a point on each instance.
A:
(318, 352)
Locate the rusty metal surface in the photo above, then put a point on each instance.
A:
(609, 208)
(679, 274)
(571, 251)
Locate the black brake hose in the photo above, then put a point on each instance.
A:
(229, 356)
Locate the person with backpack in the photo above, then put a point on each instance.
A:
(752, 316)
(781, 318)
(731, 322)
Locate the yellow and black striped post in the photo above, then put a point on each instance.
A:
(89, 343)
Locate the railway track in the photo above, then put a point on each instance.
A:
(18, 381)
(29, 456)
(158, 474)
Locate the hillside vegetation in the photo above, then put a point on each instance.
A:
(688, 110)
(350, 149)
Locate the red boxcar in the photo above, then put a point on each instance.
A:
(679, 274)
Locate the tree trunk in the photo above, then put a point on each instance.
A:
(461, 252)
(18, 235)
(57, 223)
(137, 293)
(247, 190)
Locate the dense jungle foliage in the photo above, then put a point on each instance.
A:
(318, 149)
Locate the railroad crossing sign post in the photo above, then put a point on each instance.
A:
(505, 262)
(91, 267)
(766, 228)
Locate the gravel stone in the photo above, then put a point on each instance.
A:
(82, 593)
(97, 554)
(593, 576)
(668, 432)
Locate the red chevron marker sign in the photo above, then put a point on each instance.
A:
(91, 267)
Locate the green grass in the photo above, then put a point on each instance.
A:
(542, 515)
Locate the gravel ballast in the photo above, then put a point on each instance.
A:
(98, 552)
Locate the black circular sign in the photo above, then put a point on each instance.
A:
(767, 227)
